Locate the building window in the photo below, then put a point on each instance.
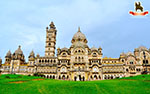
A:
(146, 61)
(131, 62)
(94, 54)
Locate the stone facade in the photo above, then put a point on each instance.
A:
(78, 62)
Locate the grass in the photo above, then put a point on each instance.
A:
(129, 85)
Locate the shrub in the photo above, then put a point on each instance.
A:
(29, 75)
(7, 77)
(38, 74)
(35, 74)
(19, 76)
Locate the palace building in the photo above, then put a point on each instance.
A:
(76, 63)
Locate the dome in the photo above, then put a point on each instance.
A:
(123, 54)
(142, 48)
(129, 53)
(32, 54)
(136, 49)
(79, 44)
(64, 49)
(8, 54)
(19, 51)
(79, 36)
(94, 48)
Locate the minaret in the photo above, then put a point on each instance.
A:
(50, 40)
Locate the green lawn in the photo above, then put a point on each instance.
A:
(130, 85)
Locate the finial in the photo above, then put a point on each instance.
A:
(46, 27)
(52, 25)
(79, 29)
(19, 46)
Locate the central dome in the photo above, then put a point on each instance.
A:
(79, 36)
(19, 51)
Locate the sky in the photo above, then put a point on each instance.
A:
(105, 23)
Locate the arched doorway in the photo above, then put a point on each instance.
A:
(99, 77)
(67, 77)
(75, 78)
(53, 77)
(105, 77)
(59, 77)
(50, 77)
(83, 78)
(111, 77)
(95, 77)
(91, 77)
(80, 78)
(63, 77)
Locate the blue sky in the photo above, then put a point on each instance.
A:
(105, 23)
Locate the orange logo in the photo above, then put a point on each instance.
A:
(139, 7)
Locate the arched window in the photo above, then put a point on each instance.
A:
(64, 53)
(146, 61)
(79, 59)
(94, 54)
(75, 58)
(131, 62)
(45, 60)
(79, 51)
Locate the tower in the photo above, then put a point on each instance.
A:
(50, 40)
(8, 57)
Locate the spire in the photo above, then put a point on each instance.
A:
(32, 55)
(52, 25)
(8, 54)
(79, 29)
(19, 47)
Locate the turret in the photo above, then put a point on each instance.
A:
(100, 50)
(31, 58)
(136, 52)
(8, 57)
